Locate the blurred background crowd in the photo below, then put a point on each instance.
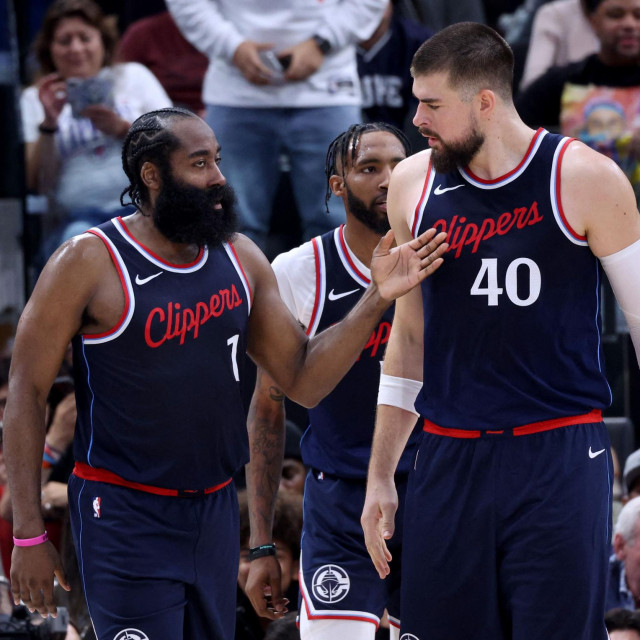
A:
(74, 74)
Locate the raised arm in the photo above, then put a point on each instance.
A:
(307, 370)
(53, 315)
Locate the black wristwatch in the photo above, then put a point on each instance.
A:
(323, 44)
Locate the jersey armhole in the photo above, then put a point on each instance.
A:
(127, 290)
(417, 214)
(556, 198)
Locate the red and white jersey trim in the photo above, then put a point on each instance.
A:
(511, 175)
(235, 260)
(320, 286)
(129, 297)
(556, 201)
(354, 267)
(424, 196)
(198, 263)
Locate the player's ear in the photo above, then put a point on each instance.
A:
(337, 185)
(619, 546)
(150, 176)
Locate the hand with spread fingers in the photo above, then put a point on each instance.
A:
(397, 270)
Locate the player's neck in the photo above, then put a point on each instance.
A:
(146, 233)
(504, 147)
(361, 240)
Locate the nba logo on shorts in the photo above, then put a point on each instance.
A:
(131, 634)
(96, 507)
(330, 583)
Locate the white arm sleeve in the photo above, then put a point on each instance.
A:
(623, 270)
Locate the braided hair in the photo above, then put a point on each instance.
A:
(149, 139)
(348, 141)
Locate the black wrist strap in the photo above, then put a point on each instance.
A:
(49, 130)
(262, 551)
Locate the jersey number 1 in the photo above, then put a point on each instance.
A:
(233, 343)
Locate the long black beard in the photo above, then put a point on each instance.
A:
(367, 215)
(186, 215)
(456, 154)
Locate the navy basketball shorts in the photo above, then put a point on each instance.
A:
(507, 537)
(337, 577)
(156, 567)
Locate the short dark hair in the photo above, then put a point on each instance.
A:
(287, 520)
(86, 10)
(149, 139)
(475, 56)
(622, 619)
(338, 152)
(590, 6)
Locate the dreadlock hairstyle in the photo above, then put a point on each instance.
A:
(345, 147)
(149, 139)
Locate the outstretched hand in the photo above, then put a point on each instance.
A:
(397, 270)
(264, 590)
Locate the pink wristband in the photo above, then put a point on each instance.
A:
(31, 542)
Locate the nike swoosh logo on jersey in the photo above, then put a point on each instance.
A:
(594, 454)
(439, 190)
(140, 280)
(337, 296)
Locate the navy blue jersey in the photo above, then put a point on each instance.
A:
(158, 396)
(512, 318)
(338, 440)
(384, 72)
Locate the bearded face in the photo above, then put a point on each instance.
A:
(187, 214)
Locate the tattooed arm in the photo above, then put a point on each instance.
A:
(266, 426)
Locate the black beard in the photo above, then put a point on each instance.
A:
(367, 215)
(455, 154)
(185, 214)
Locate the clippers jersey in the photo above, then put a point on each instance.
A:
(158, 396)
(338, 439)
(512, 318)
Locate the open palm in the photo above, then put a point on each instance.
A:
(397, 270)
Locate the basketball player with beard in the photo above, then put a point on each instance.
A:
(320, 282)
(161, 307)
(508, 505)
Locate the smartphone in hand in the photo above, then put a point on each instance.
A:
(270, 60)
(82, 92)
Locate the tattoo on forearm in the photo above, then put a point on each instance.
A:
(276, 394)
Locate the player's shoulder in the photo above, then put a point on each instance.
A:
(590, 172)
(294, 257)
(412, 167)
(296, 266)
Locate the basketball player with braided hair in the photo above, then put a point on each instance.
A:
(161, 307)
(320, 282)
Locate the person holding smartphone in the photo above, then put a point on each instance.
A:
(76, 115)
(282, 80)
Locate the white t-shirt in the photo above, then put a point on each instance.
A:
(217, 27)
(91, 175)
